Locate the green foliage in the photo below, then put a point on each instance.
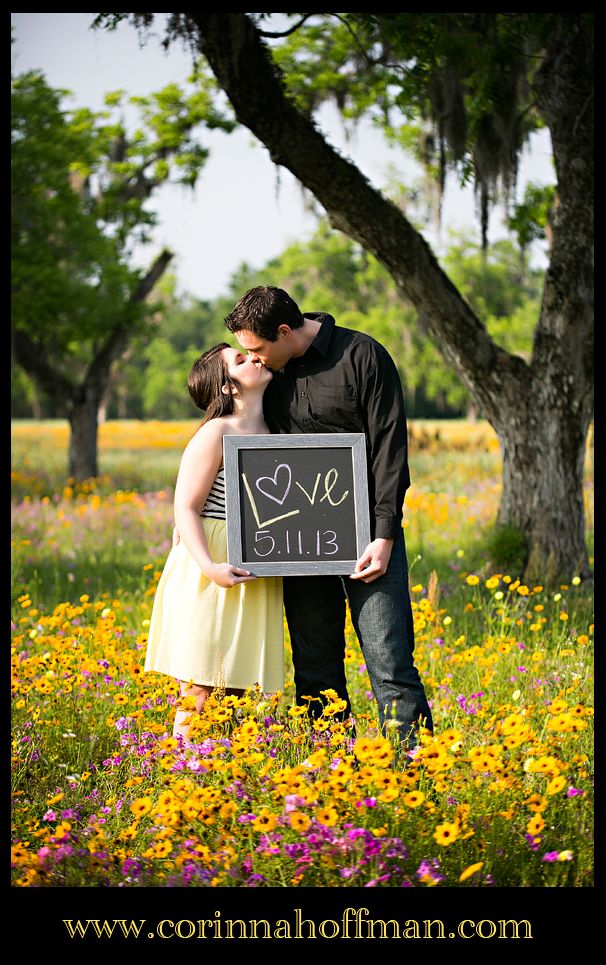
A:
(530, 218)
(65, 272)
(23, 393)
(81, 188)
(455, 89)
(153, 379)
(501, 287)
(164, 386)
(74, 232)
(331, 273)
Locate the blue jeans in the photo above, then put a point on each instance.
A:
(382, 617)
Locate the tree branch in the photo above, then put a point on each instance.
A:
(152, 275)
(286, 33)
(32, 359)
(113, 346)
(244, 68)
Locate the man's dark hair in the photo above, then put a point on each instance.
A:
(261, 310)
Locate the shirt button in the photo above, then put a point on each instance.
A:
(303, 395)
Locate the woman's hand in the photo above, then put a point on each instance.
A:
(226, 575)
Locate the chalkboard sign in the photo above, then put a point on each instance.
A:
(296, 504)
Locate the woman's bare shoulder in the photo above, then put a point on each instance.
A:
(208, 438)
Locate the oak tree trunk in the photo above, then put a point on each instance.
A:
(82, 402)
(83, 420)
(543, 469)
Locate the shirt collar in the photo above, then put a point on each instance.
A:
(322, 339)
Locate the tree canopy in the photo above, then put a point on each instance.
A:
(452, 88)
(81, 183)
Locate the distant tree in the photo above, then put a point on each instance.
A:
(464, 90)
(80, 185)
(165, 385)
(25, 400)
(150, 378)
(532, 218)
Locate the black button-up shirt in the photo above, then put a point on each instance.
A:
(347, 382)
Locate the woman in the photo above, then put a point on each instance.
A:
(214, 624)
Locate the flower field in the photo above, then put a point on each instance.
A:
(501, 795)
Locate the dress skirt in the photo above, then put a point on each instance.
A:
(207, 634)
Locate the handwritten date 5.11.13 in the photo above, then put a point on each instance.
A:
(294, 541)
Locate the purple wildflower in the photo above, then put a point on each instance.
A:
(430, 870)
(575, 792)
(294, 850)
(377, 881)
(63, 851)
(254, 880)
(372, 847)
(132, 867)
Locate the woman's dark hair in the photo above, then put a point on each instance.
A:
(261, 310)
(206, 380)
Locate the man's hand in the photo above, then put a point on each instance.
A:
(374, 561)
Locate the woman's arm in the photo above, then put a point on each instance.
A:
(200, 463)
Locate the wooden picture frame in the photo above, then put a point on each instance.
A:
(296, 504)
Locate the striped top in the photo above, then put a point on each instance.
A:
(214, 507)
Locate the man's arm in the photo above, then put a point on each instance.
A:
(382, 401)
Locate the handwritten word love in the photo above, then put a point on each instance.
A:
(278, 491)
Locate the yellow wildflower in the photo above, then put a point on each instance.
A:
(141, 806)
(446, 833)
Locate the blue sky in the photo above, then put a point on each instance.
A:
(243, 208)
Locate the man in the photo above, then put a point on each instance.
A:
(333, 379)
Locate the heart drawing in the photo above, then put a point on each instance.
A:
(268, 481)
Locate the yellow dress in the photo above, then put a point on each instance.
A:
(212, 635)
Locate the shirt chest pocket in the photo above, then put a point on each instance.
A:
(335, 406)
